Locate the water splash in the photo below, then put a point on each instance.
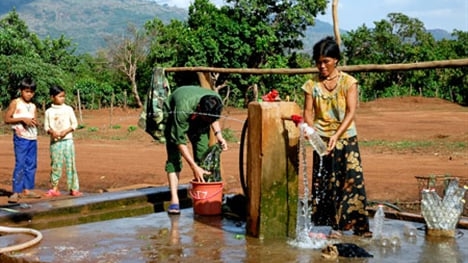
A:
(305, 235)
(319, 179)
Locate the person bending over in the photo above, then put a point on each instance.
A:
(191, 111)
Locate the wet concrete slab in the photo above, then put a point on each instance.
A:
(64, 211)
(158, 237)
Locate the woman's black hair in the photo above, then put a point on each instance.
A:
(326, 47)
(211, 106)
(55, 90)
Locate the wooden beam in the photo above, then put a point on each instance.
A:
(452, 63)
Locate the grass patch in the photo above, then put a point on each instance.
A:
(229, 136)
(132, 128)
(415, 145)
(402, 145)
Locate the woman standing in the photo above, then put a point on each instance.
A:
(331, 98)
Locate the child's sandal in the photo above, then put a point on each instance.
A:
(52, 193)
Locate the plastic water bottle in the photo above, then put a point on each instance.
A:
(379, 218)
(314, 138)
(395, 240)
(409, 230)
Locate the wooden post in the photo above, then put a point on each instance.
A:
(79, 106)
(272, 170)
(112, 110)
(205, 80)
(336, 26)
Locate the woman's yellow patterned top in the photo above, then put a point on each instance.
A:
(330, 106)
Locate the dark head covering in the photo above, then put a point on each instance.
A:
(211, 106)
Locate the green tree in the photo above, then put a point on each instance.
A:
(22, 55)
(60, 52)
(455, 80)
(400, 39)
(242, 34)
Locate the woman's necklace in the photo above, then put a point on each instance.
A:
(329, 88)
(330, 83)
(323, 78)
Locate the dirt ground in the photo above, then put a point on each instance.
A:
(400, 138)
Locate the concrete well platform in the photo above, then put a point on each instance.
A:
(158, 237)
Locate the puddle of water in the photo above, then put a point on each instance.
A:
(185, 238)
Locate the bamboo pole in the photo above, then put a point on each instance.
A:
(452, 63)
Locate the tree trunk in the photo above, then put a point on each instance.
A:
(336, 27)
(135, 93)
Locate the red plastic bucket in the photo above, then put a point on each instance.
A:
(206, 197)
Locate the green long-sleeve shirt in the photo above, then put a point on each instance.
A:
(179, 107)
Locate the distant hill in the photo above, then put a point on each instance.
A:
(315, 33)
(439, 34)
(87, 22)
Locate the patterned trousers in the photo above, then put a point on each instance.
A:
(63, 152)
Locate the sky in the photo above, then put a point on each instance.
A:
(435, 14)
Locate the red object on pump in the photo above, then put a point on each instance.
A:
(296, 119)
(273, 95)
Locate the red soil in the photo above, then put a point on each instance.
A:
(425, 132)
